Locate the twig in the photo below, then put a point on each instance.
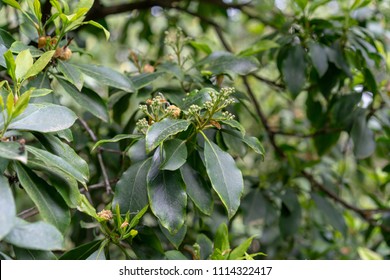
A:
(263, 118)
(99, 155)
(99, 185)
(28, 213)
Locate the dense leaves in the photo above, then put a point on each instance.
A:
(210, 130)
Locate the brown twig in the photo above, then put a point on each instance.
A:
(99, 155)
(25, 214)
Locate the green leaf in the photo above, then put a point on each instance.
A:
(294, 69)
(362, 136)
(175, 255)
(98, 25)
(290, 215)
(43, 118)
(224, 175)
(28, 254)
(235, 124)
(40, 92)
(24, 61)
(6, 39)
(239, 252)
(177, 238)
(7, 208)
(333, 216)
(173, 69)
(205, 246)
(117, 138)
(86, 207)
(167, 196)
(221, 240)
(255, 144)
(260, 46)
(21, 104)
(201, 46)
(302, 3)
(107, 76)
(56, 163)
(320, 61)
(37, 10)
(88, 100)
(39, 65)
(135, 220)
(174, 154)
(197, 189)
(368, 255)
(63, 150)
(11, 65)
(198, 97)
(45, 236)
(71, 73)
(144, 79)
(82, 252)
(130, 191)
(227, 63)
(18, 47)
(13, 151)
(51, 206)
(13, 3)
(324, 142)
(10, 104)
(160, 131)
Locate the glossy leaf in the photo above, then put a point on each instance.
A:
(83, 251)
(167, 196)
(117, 138)
(13, 3)
(130, 191)
(43, 118)
(39, 65)
(28, 254)
(51, 206)
(177, 238)
(174, 154)
(46, 236)
(144, 79)
(107, 76)
(88, 100)
(224, 175)
(56, 163)
(294, 69)
(197, 189)
(63, 150)
(24, 61)
(71, 73)
(160, 131)
(7, 207)
(11, 65)
(13, 151)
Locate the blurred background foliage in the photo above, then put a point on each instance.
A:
(313, 85)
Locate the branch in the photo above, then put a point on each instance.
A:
(366, 214)
(99, 155)
(263, 118)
